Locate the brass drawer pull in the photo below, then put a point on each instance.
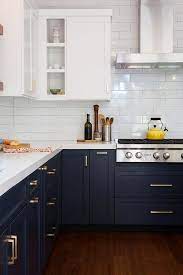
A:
(101, 153)
(161, 185)
(162, 212)
(51, 173)
(50, 235)
(51, 203)
(34, 201)
(44, 168)
(34, 183)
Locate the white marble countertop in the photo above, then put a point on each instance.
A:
(75, 145)
(18, 166)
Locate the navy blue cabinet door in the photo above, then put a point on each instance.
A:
(75, 187)
(4, 253)
(34, 236)
(102, 186)
(18, 232)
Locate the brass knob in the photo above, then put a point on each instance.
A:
(34, 183)
(34, 201)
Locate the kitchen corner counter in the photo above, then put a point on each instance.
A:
(19, 166)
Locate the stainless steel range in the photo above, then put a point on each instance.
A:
(143, 150)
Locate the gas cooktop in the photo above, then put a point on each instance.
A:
(147, 141)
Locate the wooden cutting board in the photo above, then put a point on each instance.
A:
(86, 141)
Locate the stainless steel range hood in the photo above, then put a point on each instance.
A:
(156, 38)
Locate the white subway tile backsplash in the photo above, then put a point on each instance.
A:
(116, 26)
(137, 94)
(148, 77)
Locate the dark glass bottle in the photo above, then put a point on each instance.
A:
(88, 129)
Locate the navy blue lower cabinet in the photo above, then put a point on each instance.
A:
(102, 165)
(75, 187)
(4, 258)
(160, 213)
(18, 245)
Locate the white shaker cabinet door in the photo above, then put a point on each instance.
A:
(30, 50)
(11, 14)
(16, 48)
(88, 67)
(27, 49)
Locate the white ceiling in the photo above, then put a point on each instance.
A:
(73, 4)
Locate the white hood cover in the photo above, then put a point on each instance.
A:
(156, 37)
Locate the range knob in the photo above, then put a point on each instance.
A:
(138, 155)
(166, 156)
(128, 155)
(156, 155)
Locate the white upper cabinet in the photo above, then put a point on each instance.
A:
(18, 47)
(88, 58)
(75, 54)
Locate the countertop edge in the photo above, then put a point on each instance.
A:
(15, 179)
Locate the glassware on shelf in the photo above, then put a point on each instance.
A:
(56, 35)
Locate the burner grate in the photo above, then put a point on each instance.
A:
(146, 141)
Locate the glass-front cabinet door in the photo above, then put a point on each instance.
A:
(53, 49)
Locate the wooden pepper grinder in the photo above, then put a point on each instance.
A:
(96, 131)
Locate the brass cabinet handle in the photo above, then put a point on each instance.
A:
(51, 203)
(34, 201)
(161, 185)
(44, 168)
(12, 239)
(162, 212)
(11, 259)
(102, 153)
(50, 235)
(86, 161)
(53, 172)
(34, 183)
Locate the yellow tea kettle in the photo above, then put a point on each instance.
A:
(155, 133)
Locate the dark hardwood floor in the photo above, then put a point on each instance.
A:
(117, 253)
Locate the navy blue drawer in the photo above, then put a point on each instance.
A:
(148, 213)
(140, 169)
(134, 185)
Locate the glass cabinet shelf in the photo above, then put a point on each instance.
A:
(55, 45)
(56, 71)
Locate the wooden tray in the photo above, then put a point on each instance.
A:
(22, 145)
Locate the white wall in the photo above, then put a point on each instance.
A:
(137, 95)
